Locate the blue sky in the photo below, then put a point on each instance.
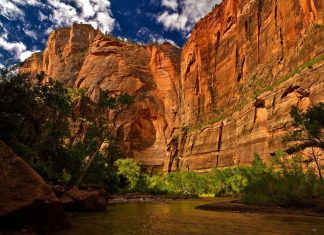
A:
(25, 24)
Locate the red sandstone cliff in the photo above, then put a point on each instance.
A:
(244, 45)
(228, 94)
(240, 66)
(81, 57)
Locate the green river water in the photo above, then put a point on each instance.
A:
(181, 218)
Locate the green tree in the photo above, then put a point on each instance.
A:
(59, 131)
(130, 169)
(309, 132)
(34, 119)
(101, 129)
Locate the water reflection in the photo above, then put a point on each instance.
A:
(180, 218)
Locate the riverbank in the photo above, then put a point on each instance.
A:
(219, 204)
(237, 207)
(142, 197)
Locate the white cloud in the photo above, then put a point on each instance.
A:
(172, 4)
(23, 56)
(94, 12)
(60, 13)
(10, 10)
(184, 14)
(174, 21)
(17, 49)
(87, 8)
(31, 34)
(42, 17)
(13, 47)
(28, 2)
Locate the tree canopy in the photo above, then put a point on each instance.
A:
(41, 120)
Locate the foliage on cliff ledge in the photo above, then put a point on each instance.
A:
(257, 92)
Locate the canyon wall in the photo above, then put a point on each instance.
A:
(243, 46)
(244, 66)
(224, 97)
(84, 58)
(259, 127)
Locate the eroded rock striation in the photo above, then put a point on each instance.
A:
(225, 96)
(244, 66)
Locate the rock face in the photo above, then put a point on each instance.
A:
(81, 57)
(258, 127)
(25, 199)
(242, 65)
(224, 98)
(242, 46)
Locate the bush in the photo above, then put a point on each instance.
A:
(130, 169)
(282, 182)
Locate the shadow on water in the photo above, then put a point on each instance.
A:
(180, 217)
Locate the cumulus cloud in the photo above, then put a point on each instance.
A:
(94, 12)
(174, 21)
(15, 48)
(10, 10)
(182, 15)
(58, 14)
(172, 4)
(18, 49)
(26, 54)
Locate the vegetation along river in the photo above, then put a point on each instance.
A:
(181, 217)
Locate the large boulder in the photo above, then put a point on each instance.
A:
(26, 201)
(84, 200)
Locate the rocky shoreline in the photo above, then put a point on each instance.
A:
(142, 197)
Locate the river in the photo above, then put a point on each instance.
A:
(181, 218)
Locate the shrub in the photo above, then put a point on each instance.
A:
(157, 185)
(283, 182)
(130, 169)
